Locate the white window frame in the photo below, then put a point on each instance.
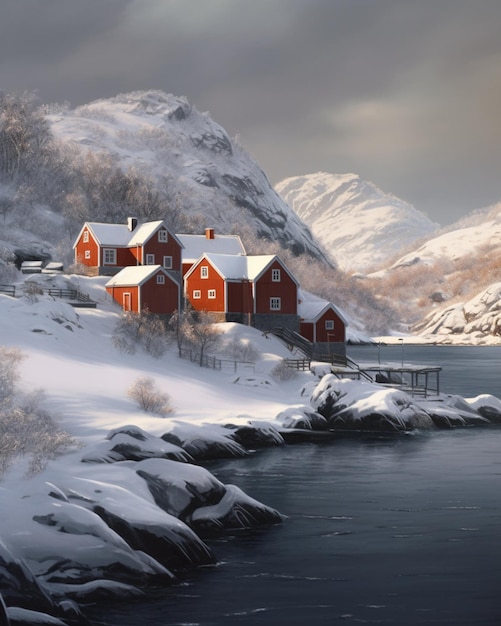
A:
(329, 324)
(275, 303)
(276, 276)
(197, 294)
(211, 294)
(163, 236)
(204, 271)
(87, 254)
(86, 236)
(109, 256)
(167, 262)
(160, 279)
(150, 259)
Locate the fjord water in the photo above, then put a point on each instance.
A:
(396, 531)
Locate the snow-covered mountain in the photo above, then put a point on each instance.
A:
(358, 225)
(164, 137)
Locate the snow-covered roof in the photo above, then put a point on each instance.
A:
(143, 232)
(135, 275)
(120, 235)
(196, 245)
(237, 267)
(110, 234)
(311, 307)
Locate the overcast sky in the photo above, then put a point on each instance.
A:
(406, 93)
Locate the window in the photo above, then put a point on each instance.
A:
(275, 276)
(204, 271)
(275, 304)
(150, 259)
(110, 256)
(212, 294)
(162, 236)
(197, 294)
(87, 254)
(329, 324)
(168, 262)
(86, 236)
(160, 279)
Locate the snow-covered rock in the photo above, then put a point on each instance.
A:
(363, 406)
(476, 321)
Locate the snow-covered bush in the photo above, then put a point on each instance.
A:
(148, 397)
(240, 349)
(283, 372)
(26, 429)
(140, 329)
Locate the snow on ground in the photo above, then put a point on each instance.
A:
(70, 355)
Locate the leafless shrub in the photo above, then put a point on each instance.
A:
(140, 329)
(149, 398)
(240, 349)
(32, 291)
(282, 372)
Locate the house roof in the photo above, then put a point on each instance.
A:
(311, 308)
(109, 234)
(196, 245)
(136, 275)
(119, 235)
(238, 267)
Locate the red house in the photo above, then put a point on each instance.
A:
(110, 247)
(322, 324)
(257, 290)
(145, 288)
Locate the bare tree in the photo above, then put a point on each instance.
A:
(148, 397)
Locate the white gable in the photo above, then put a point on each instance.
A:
(312, 307)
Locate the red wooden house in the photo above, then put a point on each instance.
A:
(322, 324)
(111, 247)
(145, 288)
(257, 290)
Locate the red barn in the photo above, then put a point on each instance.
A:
(145, 288)
(322, 324)
(110, 247)
(258, 290)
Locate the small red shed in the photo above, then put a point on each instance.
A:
(323, 324)
(145, 288)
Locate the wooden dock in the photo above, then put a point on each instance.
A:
(421, 380)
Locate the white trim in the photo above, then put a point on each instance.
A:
(211, 294)
(204, 271)
(329, 324)
(167, 264)
(165, 236)
(276, 275)
(150, 259)
(85, 237)
(197, 294)
(129, 296)
(160, 279)
(87, 254)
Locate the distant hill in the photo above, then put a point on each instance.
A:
(358, 225)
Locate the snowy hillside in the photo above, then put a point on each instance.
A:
(358, 225)
(164, 137)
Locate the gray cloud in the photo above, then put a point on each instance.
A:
(406, 94)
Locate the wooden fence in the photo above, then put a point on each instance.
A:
(215, 363)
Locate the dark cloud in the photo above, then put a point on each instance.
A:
(404, 93)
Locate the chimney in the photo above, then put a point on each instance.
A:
(209, 233)
(131, 223)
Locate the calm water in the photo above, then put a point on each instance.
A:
(403, 531)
